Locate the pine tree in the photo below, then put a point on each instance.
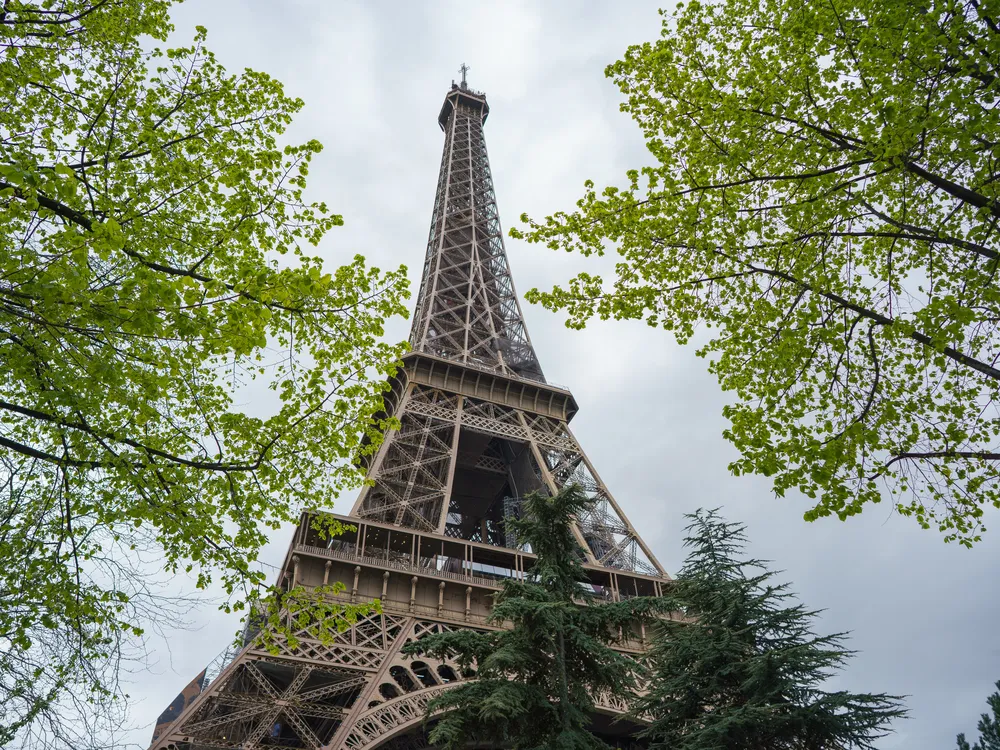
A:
(535, 682)
(989, 727)
(745, 670)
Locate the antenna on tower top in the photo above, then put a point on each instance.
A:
(463, 70)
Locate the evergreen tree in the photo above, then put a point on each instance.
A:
(989, 727)
(746, 669)
(535, 682)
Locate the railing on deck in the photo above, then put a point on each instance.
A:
(401, 562)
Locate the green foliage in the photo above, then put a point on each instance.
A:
(145, 206)
(283, 615)
(988, 726)
(535, 681)
(746, 670)
(824, 196)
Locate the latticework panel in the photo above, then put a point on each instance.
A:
(610, 538)
(361, 646)
(493, 419)
(402, 675)
(298, 697)
(433, 402)
(270, 701)
(356, 658)
(412, 476)
(550, 432)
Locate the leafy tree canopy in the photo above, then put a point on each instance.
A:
(824, 196)
(155, 252)
(988, 726)
(537, 679)
(746, 670)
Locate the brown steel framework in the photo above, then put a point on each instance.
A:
(479, 429)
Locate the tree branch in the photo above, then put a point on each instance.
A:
(922, 338)
(26, 450)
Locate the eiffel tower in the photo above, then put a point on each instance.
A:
(479, 428)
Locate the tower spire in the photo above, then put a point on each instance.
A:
(463, 70)
(467, 310)
(429, 536)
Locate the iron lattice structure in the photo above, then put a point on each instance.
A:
(467, 310)
(479, 429)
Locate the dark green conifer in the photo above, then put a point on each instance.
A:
(989, 727)
(535, 681)
(746, 671)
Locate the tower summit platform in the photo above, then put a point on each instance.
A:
(461, 94)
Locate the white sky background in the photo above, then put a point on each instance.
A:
(373, 76)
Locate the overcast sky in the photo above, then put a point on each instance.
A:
(373, 76)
